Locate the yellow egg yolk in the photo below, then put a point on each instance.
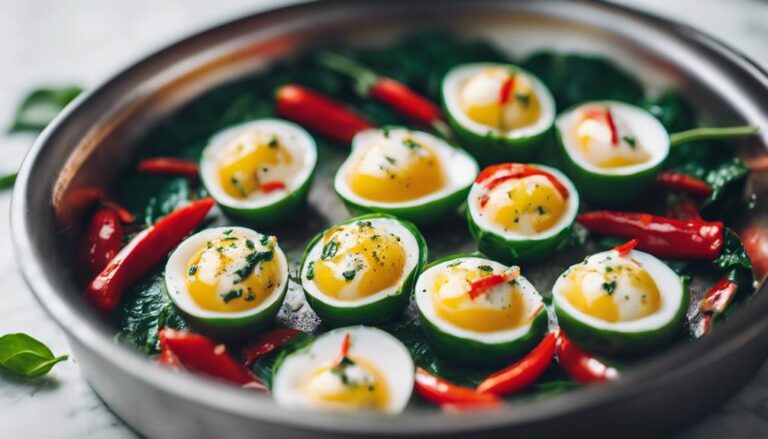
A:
(232, 273)
(498, 309)
(356, 384)
(527, 205)
(616, 290)
(357, 260)
(595, 139)
(250, 160)
(396, 168)
(501, 99)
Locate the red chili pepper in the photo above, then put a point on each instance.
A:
(506, 89)
(718, 297)
(484, 284)
(166, 357)
(755, 239)
(271, 186)
(144, 251)
(405, 101)
(202, 355)
(624, 249)
(579, 365)
(516, 170)
(103, 239)
(612, 126)
(441, 392)
(169, 166)
(343, 351)
(682, 182)
(523, 373)
(661, 236)
(267, 342)
(319, 113)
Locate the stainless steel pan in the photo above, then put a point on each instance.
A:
(92, 140)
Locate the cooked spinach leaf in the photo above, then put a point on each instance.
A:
(25, 356)
(40, 107)
(734, 262)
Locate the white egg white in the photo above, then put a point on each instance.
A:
(532, 301)
(457, 78)
(176, 274)
(667, 281)
(376, 347)
(294, 138)
(459, 168)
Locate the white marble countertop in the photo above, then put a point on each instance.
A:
(56, 42)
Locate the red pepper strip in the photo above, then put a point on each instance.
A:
(405, 101)
(718, 297)
(624, 249)
(523, 373)
(441, 392)
(166, 357)
(755, 239)
(146, 249)
(661, 236)
(579, 365)
(506, 89)
(202, 355)
(484, 284)
(271, 186)
(612, 126)
(684, 209)
(705, 325)
(169, 166)
(683, 182)
(125, 216)
(103, 240)
(516, 170)
(319, 113)
(343, 351)
(267, 342)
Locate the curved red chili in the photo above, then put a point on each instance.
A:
(319, 113)
(523, 373)
(169, 166)
(661, 236)
(484, 284)
(103, 239)
(684, 183)
(200, 354)
(579, 365)
(441, 392)
(267, 342)
(488, 176)
(624, 249)
(717, 299)
(146, 249)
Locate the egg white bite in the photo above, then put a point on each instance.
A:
(493, 328)
(228, 281)
(620, 304)
(520, 213)
(261, 170)
(611, 150)
(362, 271)
(500, 112)
(410, 174)
(375, 375)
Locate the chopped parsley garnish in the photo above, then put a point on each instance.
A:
(524, 99)
(540, 210)
(609, 287)
(228, 231)
(608, 269)
(192, 270)
(229, 238)
(273, 142)
(252, 260)
(454, 264)
(236, 184)
(487, 268)
(250, 244)
(385, 131)
(631, 141)
(232, 295)
(311, 270)
(363, 224)
(349, 274)
(264, 240)
(329, 249)
(341, 370)
(390, 160)
(410, 143)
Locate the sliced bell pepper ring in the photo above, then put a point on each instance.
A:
(441, 392)
(516, 170)
(169, 166)
(200, 354)
(624, 249)
(102, 241)
(267, 342)
(484, 284)
(523, 373)
(717, 299)
(661, 236)
(319, 113)
(146, 249)
(683, 182)
(579, 365)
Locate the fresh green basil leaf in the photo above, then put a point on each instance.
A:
(40, 107)
(7, 181)
(25, 356)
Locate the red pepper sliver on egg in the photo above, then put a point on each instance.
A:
(683, 182)
(484, 284)
(146, 249)
(506, 89)
(612, 126)
(579, 365)
(441, 392)
(102, 241)
(169, 166)
(624, 249)
(661, 236)
(271, 186)
(523, 373)
(200, 354)
(489, 178)
(319, 113)
(343, 351)
(267, 342)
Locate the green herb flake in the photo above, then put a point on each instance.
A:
(274, 142)
(609, 287)
(329, 249)
(486, 268)
(390, 160)
(410, 143)
(249, 244)
(27, 357)
(252, 260)
(311, 270)
(192, 270)
(349, 275)
(264, 239)
(232, 295)
(524, 99)
(631, 141)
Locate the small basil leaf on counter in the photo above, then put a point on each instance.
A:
(25, 356)
(40, 107)
(7, 181)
